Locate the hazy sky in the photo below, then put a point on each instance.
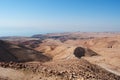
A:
(28, 17)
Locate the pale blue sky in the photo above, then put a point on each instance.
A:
(28, 17)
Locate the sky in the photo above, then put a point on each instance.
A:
(29, 17)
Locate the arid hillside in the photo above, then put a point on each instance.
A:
(61, 56)
(10, 52)
(73, 69)
(58, 50)
(107, 47)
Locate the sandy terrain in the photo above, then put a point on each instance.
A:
(61, 56)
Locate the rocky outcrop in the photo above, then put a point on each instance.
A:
(73, 69)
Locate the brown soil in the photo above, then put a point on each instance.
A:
(64, 70)
(75, 56)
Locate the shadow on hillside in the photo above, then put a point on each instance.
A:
(11, 52)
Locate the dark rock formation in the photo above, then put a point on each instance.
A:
(80, 52)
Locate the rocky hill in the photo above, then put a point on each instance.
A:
(61, 56)
(11, 52)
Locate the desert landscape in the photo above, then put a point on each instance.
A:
(59, 39)
(61, 56)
